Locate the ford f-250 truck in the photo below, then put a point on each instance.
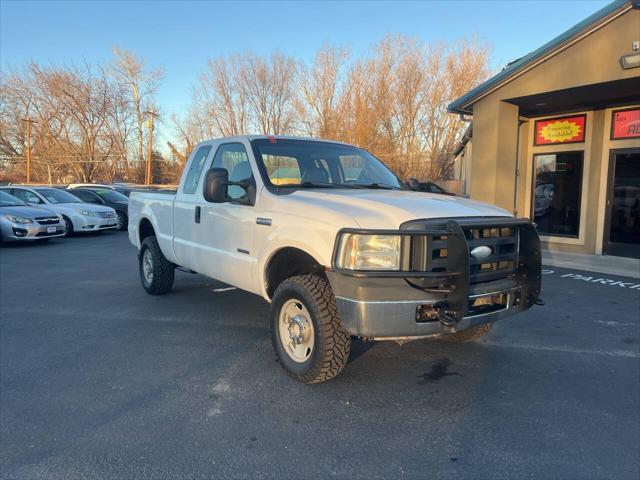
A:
(338, 245)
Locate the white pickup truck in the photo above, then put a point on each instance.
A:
(338, 245)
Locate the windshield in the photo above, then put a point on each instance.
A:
(111, 196)
(305, 163)
(53, 195)
(7, 200)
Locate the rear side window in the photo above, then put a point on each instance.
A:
(25, 195)
(85, 196)
(195, 169)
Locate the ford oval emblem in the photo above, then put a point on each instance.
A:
(481, 252)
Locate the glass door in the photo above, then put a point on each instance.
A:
(622, 226)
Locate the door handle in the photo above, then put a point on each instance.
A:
(197, 214)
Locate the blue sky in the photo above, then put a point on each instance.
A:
(181, 36)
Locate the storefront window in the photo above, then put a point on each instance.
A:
(558, 187)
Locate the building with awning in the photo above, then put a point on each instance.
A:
(556, 136)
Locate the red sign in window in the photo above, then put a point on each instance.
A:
(560, 130)
(625, 124)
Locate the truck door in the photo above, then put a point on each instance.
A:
(226, 229)
(186, 211)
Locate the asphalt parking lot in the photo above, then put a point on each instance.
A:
(99, 379)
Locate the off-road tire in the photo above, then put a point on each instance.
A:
(468, 335)
(331, 343)
(68, 225)
(122, 221)
(163, 269)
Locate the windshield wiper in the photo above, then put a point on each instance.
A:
(375, 186)
(307, 185)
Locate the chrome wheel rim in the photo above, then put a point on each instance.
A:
(120, 221)
(147, 266)
(296, 330)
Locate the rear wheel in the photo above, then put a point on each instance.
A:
(468, 335)
(306, 331)
(156, 272)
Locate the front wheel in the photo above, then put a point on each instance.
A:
(122, 221)
(68, 227)
(306, 331)
(156, 272)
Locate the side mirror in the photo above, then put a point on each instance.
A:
(413, 183)
(216, 181)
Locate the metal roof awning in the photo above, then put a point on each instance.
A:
(588, 97)
(464, 104)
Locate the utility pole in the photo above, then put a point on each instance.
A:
(28, 121)
(148, 178)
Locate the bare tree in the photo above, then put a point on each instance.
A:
(220, 98)
(269, 86)
(319, 107)
(143, 83)
(452, 70)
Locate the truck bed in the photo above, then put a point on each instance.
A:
(158, 207)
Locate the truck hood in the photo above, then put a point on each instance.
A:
(390, 208)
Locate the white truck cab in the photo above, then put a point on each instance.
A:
(337, 244)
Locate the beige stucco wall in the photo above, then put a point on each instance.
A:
(593, 59)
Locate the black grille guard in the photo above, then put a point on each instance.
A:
(454, 283)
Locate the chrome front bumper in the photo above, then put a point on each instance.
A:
(390, 319)
(82, 223)
(13, 232)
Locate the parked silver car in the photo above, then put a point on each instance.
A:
(78, 216)
(19, 221)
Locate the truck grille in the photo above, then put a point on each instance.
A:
(429, 253)
(47, 220)
(501, 263)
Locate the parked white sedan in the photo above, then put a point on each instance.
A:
(78, 216)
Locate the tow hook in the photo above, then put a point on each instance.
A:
(539, 302)
(448, 321)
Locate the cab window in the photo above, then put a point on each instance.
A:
(195, 169)
(233, 158)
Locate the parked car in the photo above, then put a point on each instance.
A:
(78, 216)
(428, 187)
(90, 185)
(338, 252)
(104, 196)
(126, 190)
(19, 221)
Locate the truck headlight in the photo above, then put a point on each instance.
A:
(369, 252)
(16, 219)
(86, 213)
